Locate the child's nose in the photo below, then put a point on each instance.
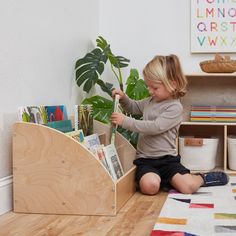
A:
(150, 91)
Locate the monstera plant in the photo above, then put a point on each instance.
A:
(88, 72)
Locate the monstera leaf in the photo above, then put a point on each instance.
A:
(88, 71)
(136, 88)
(89, 68)
(117, 61)
(102, 108)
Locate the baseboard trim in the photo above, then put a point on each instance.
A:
(6, 194)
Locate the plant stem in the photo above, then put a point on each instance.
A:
(118, 77)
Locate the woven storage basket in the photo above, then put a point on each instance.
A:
(219, 65)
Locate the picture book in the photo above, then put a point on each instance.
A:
(33, 114)
(100, 155)
(84, 118)
(42, 114)
(113, 161)
(56, 113)
(61, 125)
(78, 135)
(92, 142)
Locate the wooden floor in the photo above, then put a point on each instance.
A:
(137, 218)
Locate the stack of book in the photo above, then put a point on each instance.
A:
(107, 155)
(208, 113)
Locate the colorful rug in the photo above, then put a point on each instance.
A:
(210, 211)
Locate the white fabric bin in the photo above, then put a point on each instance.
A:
(198, 153)
(231, 140)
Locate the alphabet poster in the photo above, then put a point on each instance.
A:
(213, 26)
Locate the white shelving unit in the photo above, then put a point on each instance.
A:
(211, 89)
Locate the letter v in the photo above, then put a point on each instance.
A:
(201, 41)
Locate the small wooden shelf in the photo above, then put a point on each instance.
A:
(210, 75)
(210, 89)
(54, 174)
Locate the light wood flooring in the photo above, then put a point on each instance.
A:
(137, 218)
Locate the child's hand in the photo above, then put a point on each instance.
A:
(118, 91)
(117, 118)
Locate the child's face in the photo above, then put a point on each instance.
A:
(158, 90)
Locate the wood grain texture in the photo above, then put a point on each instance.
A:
(54, 174)
(136, 218)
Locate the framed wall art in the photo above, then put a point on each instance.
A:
(213, 26)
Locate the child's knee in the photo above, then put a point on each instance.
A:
(189, 187)
(149, 186)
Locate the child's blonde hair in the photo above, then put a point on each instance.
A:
(167, 69)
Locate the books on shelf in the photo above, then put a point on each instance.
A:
(113, 161)
(78, 135)
(106, 154)
(42, 114)
(61, 125)
(56, 113)
(51, 116)
(207, 113)
(100, 155)
(33, 114)
(92, 142)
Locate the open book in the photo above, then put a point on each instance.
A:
(113, 161)
(100, 155)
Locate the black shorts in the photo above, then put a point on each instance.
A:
(166, 167)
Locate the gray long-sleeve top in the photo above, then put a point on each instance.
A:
(159, 128)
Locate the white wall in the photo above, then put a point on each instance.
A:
(141, 29)
(39, 44)
(41, 40)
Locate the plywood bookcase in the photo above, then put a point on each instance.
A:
(211, 89)
(54, 174)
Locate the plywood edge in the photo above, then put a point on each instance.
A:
(126, 152)
(125, 188)
(54, 174)
(101, 128)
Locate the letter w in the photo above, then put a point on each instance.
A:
(212, 42)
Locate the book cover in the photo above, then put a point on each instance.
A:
(78, 135)
(113, 161)
(56, 113)
(84, 118)
(33, 114)
(61, 125)
(92, 142)
(116, 109)
(100, 155)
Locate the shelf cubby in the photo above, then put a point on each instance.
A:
(210, 89)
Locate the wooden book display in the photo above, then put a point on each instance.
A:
(54, 174)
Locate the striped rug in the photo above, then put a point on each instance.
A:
(210, 211)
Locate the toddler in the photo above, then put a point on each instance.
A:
(158, 163)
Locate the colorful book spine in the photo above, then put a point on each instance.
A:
(213, 113)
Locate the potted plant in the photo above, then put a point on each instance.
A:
(88, 72)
